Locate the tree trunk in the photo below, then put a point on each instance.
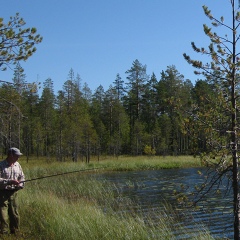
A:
(235, 179)
(235, 176)
(236, 197)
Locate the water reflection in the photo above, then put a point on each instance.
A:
(150, 190)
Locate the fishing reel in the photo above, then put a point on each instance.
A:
(10, 187)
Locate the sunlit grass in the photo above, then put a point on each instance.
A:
(151, 163)
(41, 167)
(74, 209)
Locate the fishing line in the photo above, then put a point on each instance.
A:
(59, 174)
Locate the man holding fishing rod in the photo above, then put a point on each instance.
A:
(11, 180)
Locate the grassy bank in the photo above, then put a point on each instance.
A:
(150, 163)
(76, 206)
(122, 163)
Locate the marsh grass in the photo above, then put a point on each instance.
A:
(122, 163)
(76, 206)
(151, 163)
(76, 211)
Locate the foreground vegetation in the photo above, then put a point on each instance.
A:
(76, 206)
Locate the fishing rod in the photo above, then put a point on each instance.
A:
(58, 174)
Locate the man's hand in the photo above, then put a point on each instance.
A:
(13, 185)
(13, 182)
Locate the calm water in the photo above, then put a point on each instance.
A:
(150, 190)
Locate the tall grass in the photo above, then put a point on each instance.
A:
(150, 163)
(42, 166)
(76, 206)
(74, 209)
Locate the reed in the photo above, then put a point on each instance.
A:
(74, 209)
(83, 208)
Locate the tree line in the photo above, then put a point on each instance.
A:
(141, 115)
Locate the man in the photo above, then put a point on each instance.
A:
(11, 176)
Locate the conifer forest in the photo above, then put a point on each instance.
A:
(142, 114)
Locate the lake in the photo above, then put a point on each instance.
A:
(151, 190)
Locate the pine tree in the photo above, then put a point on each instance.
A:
(87, 93)
(16, 42)
(60, 125)
(19, 78)
(118, 85)
(171, 102)
(47, 115)
(30, 110)
(225, 66)
(137, 78)
(115, 121)
(150, 116)
(97, 115)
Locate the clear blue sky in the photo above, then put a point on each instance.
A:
(100, 38)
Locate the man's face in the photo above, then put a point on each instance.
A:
(14, 158)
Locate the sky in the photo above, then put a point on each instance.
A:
(99, 39)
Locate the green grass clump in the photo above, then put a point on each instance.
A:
(150, 163)
(79, 221)
(63, 209)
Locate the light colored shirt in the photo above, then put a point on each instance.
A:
(8, 172)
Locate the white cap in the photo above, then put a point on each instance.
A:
(14, 151)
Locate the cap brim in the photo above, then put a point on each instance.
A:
(18, 154)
